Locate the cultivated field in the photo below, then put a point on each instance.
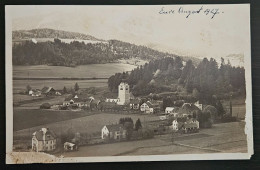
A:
(214, 140)
(83, 71)
(19, 85)
(28, 121)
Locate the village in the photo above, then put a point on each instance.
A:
(186, 119)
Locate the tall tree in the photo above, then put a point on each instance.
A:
(65, 90)
(76, 87)
(138, 124)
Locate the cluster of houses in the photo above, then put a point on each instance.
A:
(47, 91)
(45, 140)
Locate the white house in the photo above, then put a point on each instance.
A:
(35, 92)
(77, 100)
(135, 104)
(114, 132)
(146, 108)
(185, 124)
(112, 100)
(169, 110)
(44, 140)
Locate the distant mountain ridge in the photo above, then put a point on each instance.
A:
(51, 33)
(47, 51)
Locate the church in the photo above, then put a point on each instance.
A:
(123, 94)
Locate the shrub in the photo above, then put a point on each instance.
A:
(45, 106)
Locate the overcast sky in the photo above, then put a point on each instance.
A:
(198, 35)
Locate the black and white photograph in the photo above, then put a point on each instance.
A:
(93, 83)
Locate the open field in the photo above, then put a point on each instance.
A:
(57, 84)
(28, 121)
(83, 71)
(60, 121)
(216, 139)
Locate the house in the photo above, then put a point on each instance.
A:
(146, 108)
(185, 125)
(150, 107)
(113, 132)
(177, 123)
(44, 140)
(112, 100)
(48, 91)
(190, 128)
(135, 104)
(78, 101)
(35, 92)
(169, 110)
(70, 146)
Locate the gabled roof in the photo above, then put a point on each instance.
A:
(47, 89)
(49, 135)
(116, 127)
(181, 119)
(78, 98)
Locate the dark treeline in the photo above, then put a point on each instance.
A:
(204, 82)
(79, 53)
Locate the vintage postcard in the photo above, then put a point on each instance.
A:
(128, 83)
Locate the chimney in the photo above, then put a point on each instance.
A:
(44, 130)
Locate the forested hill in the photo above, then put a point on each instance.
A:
(204, 82)
(50, 33)
(58, 52)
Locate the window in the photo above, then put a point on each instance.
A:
(46, 142)
(121, 88)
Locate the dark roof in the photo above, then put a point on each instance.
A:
(152, 104)
(47, 89)
(181, 119)
(134, 101)
(116, 127)
(49, 135)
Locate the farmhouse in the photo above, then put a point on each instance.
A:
(35, 92)
(78, 101)
(150, 107)
(185, 124)
(135, 104)
(44, 140)
(48, 91)
(112, 100)
(114, 132)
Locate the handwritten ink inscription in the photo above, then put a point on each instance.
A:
(212, 12)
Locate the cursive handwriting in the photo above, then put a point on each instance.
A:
(212, 12)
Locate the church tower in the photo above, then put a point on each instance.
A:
(123, 93)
